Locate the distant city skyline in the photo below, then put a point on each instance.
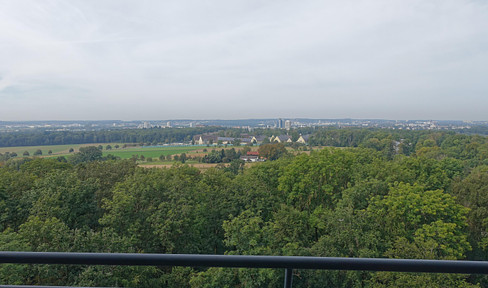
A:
(129, 60)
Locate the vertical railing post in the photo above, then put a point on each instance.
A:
(288, 277)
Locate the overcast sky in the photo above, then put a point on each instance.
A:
(128, 60)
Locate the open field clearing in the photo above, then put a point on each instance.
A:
(167, 162)
(197, 165)
(152, 152)
(155, 152)
(59, 150)
(201, 166)
(124, 153)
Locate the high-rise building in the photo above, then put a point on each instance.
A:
(287, 124)
(280, 123)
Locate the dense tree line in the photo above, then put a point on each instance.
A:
(475, 129)
(434, 144)
(337, 137)
(221, 156)
(150, 136)
(374, 200)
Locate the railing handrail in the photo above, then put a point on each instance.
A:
(247, 261)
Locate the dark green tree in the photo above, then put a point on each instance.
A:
(183, 157)
(86, 154)
(272, 151)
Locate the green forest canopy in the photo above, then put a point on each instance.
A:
(421, 196)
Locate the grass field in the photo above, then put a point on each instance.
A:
(127, 153)
(60, 150)
(150, 152)
(124, 153)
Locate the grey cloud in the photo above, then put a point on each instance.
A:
(239, 59)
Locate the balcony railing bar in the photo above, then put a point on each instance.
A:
(295, 262)
(35, 286)
(244, 261)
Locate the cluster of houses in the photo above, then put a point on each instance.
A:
(246, 139)
(251, 156)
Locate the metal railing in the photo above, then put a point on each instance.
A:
(285, 262)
